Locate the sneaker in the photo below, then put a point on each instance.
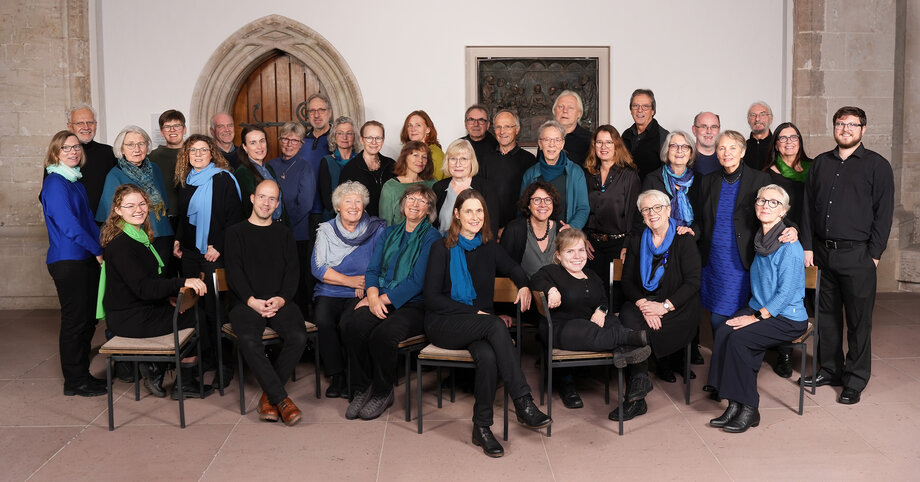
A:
(376, 405)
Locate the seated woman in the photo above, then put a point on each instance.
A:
(133, 294)
(661, 282)
(577, 300)
(460, 169)
(393, 309)
(343, 249)
(529, 239)
(775, 314)
(459, 287)
(412, 167)
(419, 127)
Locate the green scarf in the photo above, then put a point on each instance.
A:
(69, 173)
(789, 173)
(405, 260)
(141, 237)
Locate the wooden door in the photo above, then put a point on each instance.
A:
(275, 93)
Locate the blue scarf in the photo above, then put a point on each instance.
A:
(67, 172)
(647, 251)
(199, 207)
(678, 187)
(461, 284)
(552, 172)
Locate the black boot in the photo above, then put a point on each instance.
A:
(336, 387)
(124, 371)
(153, 378)
(783, 365)
(629, 354)
(190, 385)
(482, 437)
(631, 410)
(635, 338)
(748, 417)
(638, 387)
(528, 414)
(664, 371)
(727, 416)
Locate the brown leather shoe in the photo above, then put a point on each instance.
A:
(290, 414)
(267, 411)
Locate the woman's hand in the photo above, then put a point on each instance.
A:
(177, 252)
(211, 255)
(361, 304)
(653, 322)
(197, 285)
(523, 297)
(589, 248)
(507, 320)
(598, 318)
(553, 298)
(810, 258)
(377, 307)
(741, 321)
(356, 282)
(653, 308)
(623, 255)
(359, 293)
(99, 260)
(563, 226)
(789, 235)
(685, 230)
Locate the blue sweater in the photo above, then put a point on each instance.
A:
(72, 234)
(353, 265)
(410, 290)
(576, 192)
(298, 188)
(116, 177)
(778, 282)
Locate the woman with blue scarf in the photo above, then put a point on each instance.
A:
(73, 260)
(661, 281)
(342, 145)
(554, 167)
(343, 250)
(393, 309)
(253, 168)
(131, 147)
(459, 287)
(209, 203)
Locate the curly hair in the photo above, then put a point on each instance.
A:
(114, 222)
(182, 163)
(529, 191)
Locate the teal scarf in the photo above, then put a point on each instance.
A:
(461, 283)
(552, 172)
(397, 264)
(143, 176)
(141, 237)
(67, 172)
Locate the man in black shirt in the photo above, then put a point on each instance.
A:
(848, 209)
(759, 117)
(477, 129)
(645, 137)
(262, 270)
(223, 130)
(99, 158)
(568, 109)
(503, 168)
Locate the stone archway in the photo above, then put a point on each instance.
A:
(247, 48)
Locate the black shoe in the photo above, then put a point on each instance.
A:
(570, 396)
(98, 382)
(630, 354)
(696, 358)
(638, 388)
(631, 410)
(783, 365)
(746, 418)
(714, 395)
(681, 373)
(336, 387)
(528, 414)
(124, 371)
(153, 378)
(225, 380)
(636, 338)
(85, 389)
(376, 405)
(849, 396)
(190, 389)
(482, 437)
(822, 380)
(709, 388)
(357, 403)
(663, 371)
(733, 409)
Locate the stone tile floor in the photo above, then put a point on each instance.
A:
(47, 436)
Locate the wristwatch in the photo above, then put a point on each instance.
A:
(758, 315)
(667, 306)
(603, 309)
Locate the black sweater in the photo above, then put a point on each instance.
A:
(356, 170)
(580, 297)
(261, 261)
(225, 211)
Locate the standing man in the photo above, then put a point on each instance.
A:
(477, 131)
(759, 117)
(846, 220)
(223, 131)
(172, 127)
(706, 128)
(645, 137)
(568, 109)
(503, 168)
(99, 158)
(262, 271)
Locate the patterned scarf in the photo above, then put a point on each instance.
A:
(143, 176)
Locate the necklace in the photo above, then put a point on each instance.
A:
(284, 174)
(545, 234)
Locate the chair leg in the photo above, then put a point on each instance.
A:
(802, 380)
(178, 386)
(409, 387)
(814, 358)
(108, 387)
(607, 386)
(220, 365)
(239, 359)
(418, 375)
(620, 397)
(453, 385)
(542, 380)
(137, 384)
(687, 375)
(549, 396)
(438, 388)
(505, 403)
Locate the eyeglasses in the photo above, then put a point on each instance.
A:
(173, 127)
(471, 120)
(772, 203)
(541, 200)
(641, 107)
(785, 139)
(758, 115)
(287, 140)
(135, 145)
(551, 140)
(84, 123)
(679, 147)
(603, 143)
(846, 125)
(317, 111)
(65, 148)
(417, 200)
(656, 208)
(705, 127)
(195, 151)
(373, 140)
(459, 160)
(132, 207)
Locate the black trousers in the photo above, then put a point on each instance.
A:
(193, 265)
(249, 325)
(848, 282)
(585, 335)
(604, 253)
(77, 284)
(487, 339)
(373, 344)
(737, 354)
(327, 316)
(304, 296)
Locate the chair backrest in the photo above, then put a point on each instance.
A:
(220, 279)
(811, 277)
(616, 270)
(540, 300)
(505, 291)
(187, 299)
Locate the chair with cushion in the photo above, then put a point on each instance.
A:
(171, 348)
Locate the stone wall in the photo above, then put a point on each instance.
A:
(44, 45)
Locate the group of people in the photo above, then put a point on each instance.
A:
(376, 250)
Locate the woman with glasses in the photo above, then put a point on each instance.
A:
(73, 260)
(554, 167)
(529, 239)
(254, 169)
(775, 314)
(413, 166)
(419, 127)
(132, 147)
(342, 145)
(370, 167)
(790, 166)
(459, 170)
(661, 281)
(392, 309)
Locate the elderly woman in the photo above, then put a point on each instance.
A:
(554, 167)
(775, 314)
(613, 187)
(342, 145)
(577, 300)
(418, 127)
(661, 281)
(254, 169)
(459, 287)
(134, 295)
(460, 171)
(209, 203)
(412, 167)
(529, 240)
(73, 260)
(393, 309)
(370, 167)
(343, 249)
(131, 147)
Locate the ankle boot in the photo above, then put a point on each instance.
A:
(633, 337)
(528, 414)
(727, 416)
(153, 378)
(783, 365)
(746, 418)
(482, 437)
(627, 355)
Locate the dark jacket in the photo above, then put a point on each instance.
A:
(481, 185)
(645, 148)
(514, 237)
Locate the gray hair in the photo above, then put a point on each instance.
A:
(784, 196)
(517, 120)
(551, 123)
(578, 101)
(335, 125)
(293, 127)
(348, 188)
(120, 140)
(655, 195)
(80, 106)
(325, 98)
(425, 192)
(667, 141)
(647, 92)
(212, 125)
(766, 106)
(733, 135)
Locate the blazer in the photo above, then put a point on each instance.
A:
(479, 184)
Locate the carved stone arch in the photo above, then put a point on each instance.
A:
(230, 64)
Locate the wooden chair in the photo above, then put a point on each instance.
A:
(170, 348)
(269, 337)
(812, 281)
(431, 355)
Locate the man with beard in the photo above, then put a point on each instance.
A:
(759, 117)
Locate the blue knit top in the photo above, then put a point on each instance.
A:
(778, 282)
(72, 234)
(726, 286)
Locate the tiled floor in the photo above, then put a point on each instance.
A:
(46, 436)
